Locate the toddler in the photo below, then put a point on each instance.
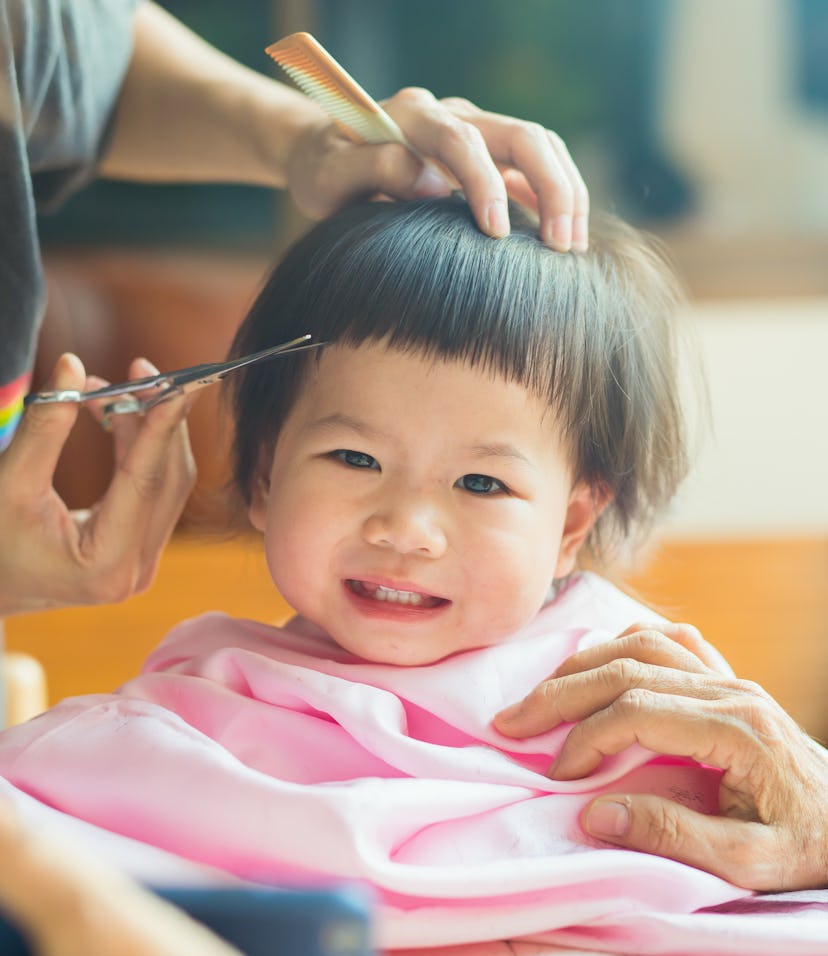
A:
(480, 413)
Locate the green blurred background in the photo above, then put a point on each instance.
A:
(589, 69)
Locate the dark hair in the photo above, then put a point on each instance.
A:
(592, 333)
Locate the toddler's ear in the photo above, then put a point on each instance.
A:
(586, 503)
(260, 493)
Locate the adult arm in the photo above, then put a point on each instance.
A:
(187, 112)
(659, 687)
(69, 904)
(51, 556)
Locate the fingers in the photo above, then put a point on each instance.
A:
(679, 646)
(742, 852)
(154, 474)
(573, 698)
(473, 146)
(590, 680)
(438, 132)
(35, 449)
(725, 731)
(541, 158)
(689, 637)
(488, 156)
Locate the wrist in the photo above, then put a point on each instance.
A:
(285, 121)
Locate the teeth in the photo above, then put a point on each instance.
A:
(378, 592)
(397, 597)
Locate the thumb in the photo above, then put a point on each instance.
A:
(731, 849)
(44, 428)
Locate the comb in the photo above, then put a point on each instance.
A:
(320, 77)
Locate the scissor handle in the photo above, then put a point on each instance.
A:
(107, 391)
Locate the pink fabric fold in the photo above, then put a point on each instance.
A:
(276, 756)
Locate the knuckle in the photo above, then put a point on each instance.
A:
(664, 834)
(545, 690)
(624, 671)
(414, 97)
(633, 702)
(648, 641)
(761, 716)
(691, 638)
(752, 690)
(533, 134)
(461, 107)
(454, 134)
(634, 628)
(556, 140)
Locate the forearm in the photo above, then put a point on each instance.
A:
(188, 113)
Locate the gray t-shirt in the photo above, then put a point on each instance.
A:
(62, 63)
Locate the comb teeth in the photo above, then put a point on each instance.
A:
(321, 78)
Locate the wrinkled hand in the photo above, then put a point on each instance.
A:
(488, 155)
(659, 687)
(68, 904)
(51, 556)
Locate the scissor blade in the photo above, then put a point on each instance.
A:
(183, 379)
(188, 380)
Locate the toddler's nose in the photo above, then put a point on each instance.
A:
(408, 526)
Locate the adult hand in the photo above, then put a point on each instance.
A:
(66, 903)
(188, 113)
(659, 687)
(487, 155)
(50, 556)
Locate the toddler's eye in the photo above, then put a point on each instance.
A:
(355, 459)
(481, 484)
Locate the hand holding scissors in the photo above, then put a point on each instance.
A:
(165, 385)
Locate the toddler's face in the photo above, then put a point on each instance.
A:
(417, 507)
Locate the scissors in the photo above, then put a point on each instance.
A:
(166, 384)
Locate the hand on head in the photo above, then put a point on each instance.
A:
(52, 556)
(489, 156)
(660, 687)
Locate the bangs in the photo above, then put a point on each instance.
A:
(423, 279)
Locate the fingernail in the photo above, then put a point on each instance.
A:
(580, 233)
(608, 818)
(431, 182)
(497, 219)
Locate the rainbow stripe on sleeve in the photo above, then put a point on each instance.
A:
(11, 406)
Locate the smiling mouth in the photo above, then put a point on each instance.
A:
(377, 592)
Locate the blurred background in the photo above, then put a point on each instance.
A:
(703, 122)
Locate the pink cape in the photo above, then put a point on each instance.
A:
(274, 755)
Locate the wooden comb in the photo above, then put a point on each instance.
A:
(320, 77)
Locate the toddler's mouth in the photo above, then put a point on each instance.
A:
(378, 592)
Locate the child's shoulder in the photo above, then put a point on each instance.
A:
(601, 610)
(589, 600)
